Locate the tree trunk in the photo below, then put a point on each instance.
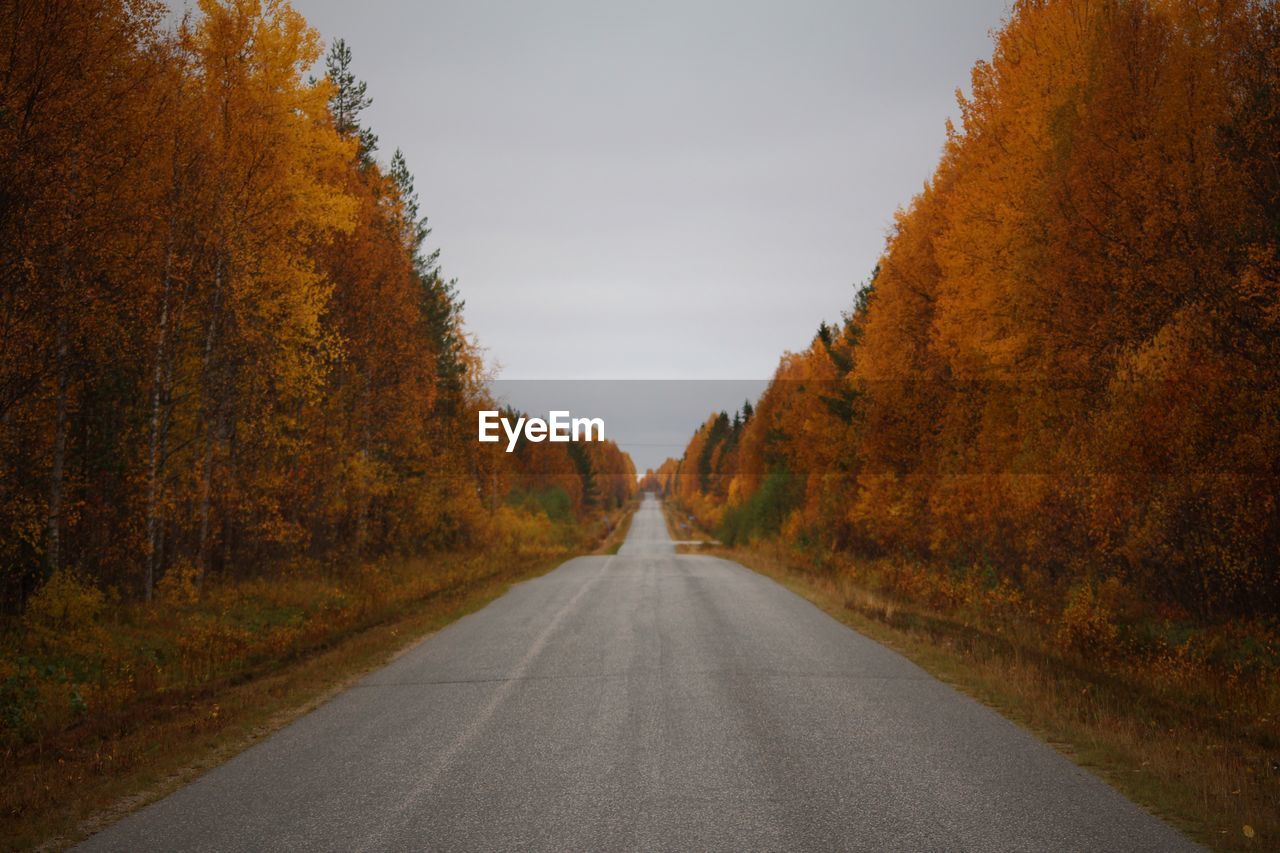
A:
(228, 519)
(53, 533)
(154, 448)
(362, 514)
(215, 418)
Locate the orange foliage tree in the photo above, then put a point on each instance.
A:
(1068, 362)
(226, 346)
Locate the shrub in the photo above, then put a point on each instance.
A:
(1087, 623)
(764, 513)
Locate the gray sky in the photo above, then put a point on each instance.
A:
(664, 189)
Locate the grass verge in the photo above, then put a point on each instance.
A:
(298, 643)
(618, 533)
(683, 529)
(1197, 749)
(1213, 772)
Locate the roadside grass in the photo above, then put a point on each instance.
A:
(164, 693)
(682, 528)
(1198, 749)
(618, 534)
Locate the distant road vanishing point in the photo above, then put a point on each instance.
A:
(647, 701)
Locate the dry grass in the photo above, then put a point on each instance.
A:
(618, 532)
(268, 654)
(682, 528)
(1200, 751)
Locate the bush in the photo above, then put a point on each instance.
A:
(764, 513)
(553, 502)
(1088, 621)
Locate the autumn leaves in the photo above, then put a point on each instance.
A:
(1065, 367)
(226, 344)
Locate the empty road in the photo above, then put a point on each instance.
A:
(646, 701)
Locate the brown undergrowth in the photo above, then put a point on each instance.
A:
(1184, 720)
(121, 704)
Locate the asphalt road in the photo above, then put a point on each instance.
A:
(647, 701)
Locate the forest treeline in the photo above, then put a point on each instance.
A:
(1063, 377)
(228, 348)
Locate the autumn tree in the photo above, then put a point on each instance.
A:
(227, 345)
(1065, 367)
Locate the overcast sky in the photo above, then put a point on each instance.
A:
(659, 189)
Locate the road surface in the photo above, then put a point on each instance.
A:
(646, 701)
